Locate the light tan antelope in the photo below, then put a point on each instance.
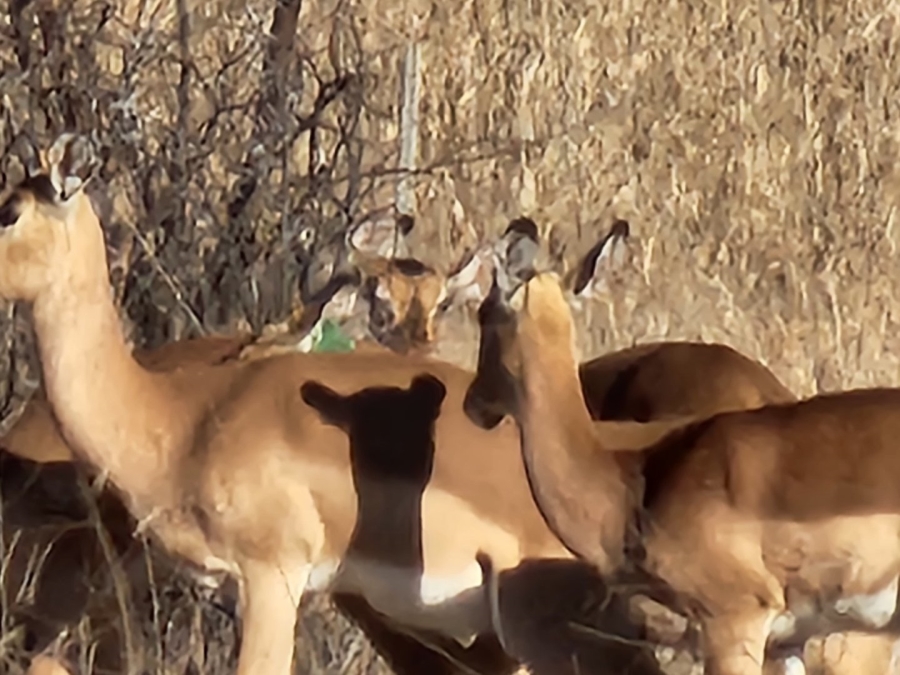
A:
(225, 465)
(636, 379)
(751, 518)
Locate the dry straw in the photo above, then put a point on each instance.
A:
(752, 146)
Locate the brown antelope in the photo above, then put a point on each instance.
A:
(750, 518)
(400, 295)
(224, 464)
(188, 448)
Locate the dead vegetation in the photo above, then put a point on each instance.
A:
(751, 146)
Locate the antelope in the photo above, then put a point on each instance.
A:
(224, 465)
(201, 437)
(52, 543)
(746, 519)
(401, 294)
(391, 439)
(36, 437)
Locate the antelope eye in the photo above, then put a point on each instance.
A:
(9, 212)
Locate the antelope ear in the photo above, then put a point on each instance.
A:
(73, 162)
(430, 391)
(521, 247)
(325, 270)
(405, 223)
(467, 280)
(466, 269)
(382, 236)
(331, 406)
(600, 254)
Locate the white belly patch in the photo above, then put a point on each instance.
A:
(875, 609)
(872, 610)
(433, 590)
(455, 606)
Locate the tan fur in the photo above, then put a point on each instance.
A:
(664, 379)
(47, 665)
(852, 653)
(35, 435)
(739, 509)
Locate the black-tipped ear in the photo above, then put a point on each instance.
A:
(520, 258)
(405, 224)
(522, 227)
(381, 234)
(521, 248)
(466, 277)
(331, 406)
(620, 229)
(73, 161)
(429, 390)
(619, 232)
(326, 271)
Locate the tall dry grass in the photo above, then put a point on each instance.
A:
(752, 146)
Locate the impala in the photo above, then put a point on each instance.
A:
(750, 520)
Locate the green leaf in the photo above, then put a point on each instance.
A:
(332, 339)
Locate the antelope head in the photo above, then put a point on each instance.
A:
(401, 298)
(49, 230)
(525, 305)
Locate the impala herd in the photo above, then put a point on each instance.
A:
(425, 497)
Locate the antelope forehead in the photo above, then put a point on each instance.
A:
(546, 285)
(542, 296)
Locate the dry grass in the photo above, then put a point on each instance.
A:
(752, 145)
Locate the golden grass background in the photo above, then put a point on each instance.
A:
(752, 145)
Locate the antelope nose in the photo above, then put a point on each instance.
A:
(479, 410)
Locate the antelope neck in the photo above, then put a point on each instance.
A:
(579, 488)
(109, 409)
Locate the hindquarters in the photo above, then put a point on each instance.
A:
(677, 378)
